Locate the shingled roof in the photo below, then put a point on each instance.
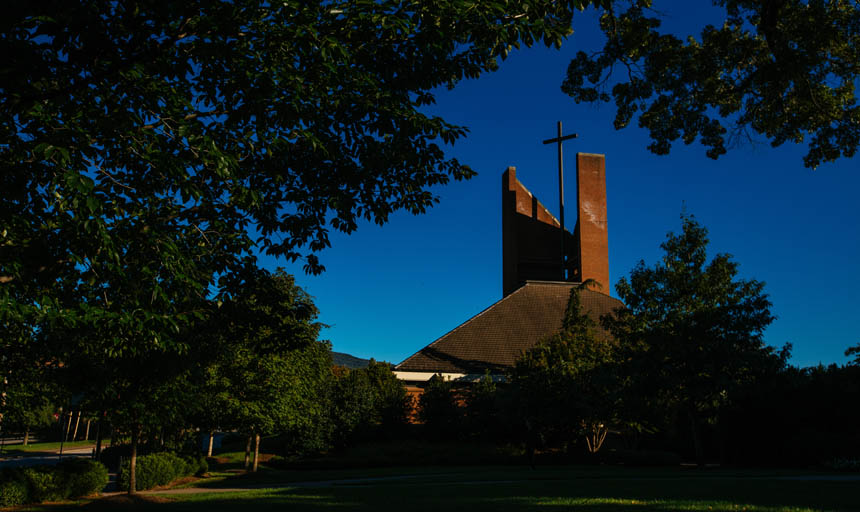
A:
(495, 338)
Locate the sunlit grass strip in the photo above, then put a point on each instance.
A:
(610, 504)
(47, 447)
(283, 497)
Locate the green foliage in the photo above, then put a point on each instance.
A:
(204, 119)
(82, 477)
(854, 351)
(439, 409)
(29, 388)
(367, 403)
(159, 469)
(691, 336)
(268, 373)
(804, 412)
(150, 151)
(72, 478)
(482, 409)
(786, 70)
(567, 384)
(13, 488)
(45, 484)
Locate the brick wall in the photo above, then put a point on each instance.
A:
(531, 236)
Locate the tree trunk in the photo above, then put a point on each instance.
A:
(132, 468)
(248, 453)
(256, 452)
(99, 439)
(697, 443)
(77, 424)
(27, 436)
(87, 431)
(530, 444)
(68, 427)
(211, 442)
(64, 432)
(595, 435)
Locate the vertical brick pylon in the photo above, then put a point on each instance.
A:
(591, 209)
(531, 241)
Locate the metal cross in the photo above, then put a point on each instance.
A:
(558, 140)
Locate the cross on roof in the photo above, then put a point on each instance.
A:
(558, 140)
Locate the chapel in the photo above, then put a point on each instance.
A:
(541, 263)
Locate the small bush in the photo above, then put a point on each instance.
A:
(13, 492)
(46, 483)
(83, 477)
(198, 465)
(111, 455)
(71, 478)
(844, 464)
(160, 469)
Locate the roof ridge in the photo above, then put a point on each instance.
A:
(561, 283)
(473, 317)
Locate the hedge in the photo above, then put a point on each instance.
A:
(160, 469)
(71, 478)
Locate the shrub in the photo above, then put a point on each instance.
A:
(112, 455)
(160, 469)
(45, 483)
(844, 464)
(71, 478)
(200, 465)
(13, 491)
(83, 477)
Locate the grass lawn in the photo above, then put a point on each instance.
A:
(500, 489)
(46, 448)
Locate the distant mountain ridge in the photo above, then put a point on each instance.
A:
(351, 362)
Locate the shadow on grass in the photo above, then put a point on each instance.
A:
(553, 490)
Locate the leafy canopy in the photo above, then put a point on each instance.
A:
(294, 117)
(784, 69)
(692, 330)
(265, 370)
(567, 382)
(151, 149)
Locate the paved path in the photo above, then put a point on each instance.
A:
(51, 459)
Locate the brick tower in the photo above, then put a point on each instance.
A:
(531, 240)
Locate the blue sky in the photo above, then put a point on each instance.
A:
(389, 291)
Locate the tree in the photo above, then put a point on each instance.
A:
(692, 331)
(28, 391)
(483, 409)
(367, 402)
(26, 404)
(567, 381)
(291, 118)
(854, 351)
(783, 69)
(439, 408)
(152, 149)
(271, 370)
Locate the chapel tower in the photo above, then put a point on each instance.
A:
(531, 236)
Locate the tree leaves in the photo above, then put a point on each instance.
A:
(691, 335)
(786, 70)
